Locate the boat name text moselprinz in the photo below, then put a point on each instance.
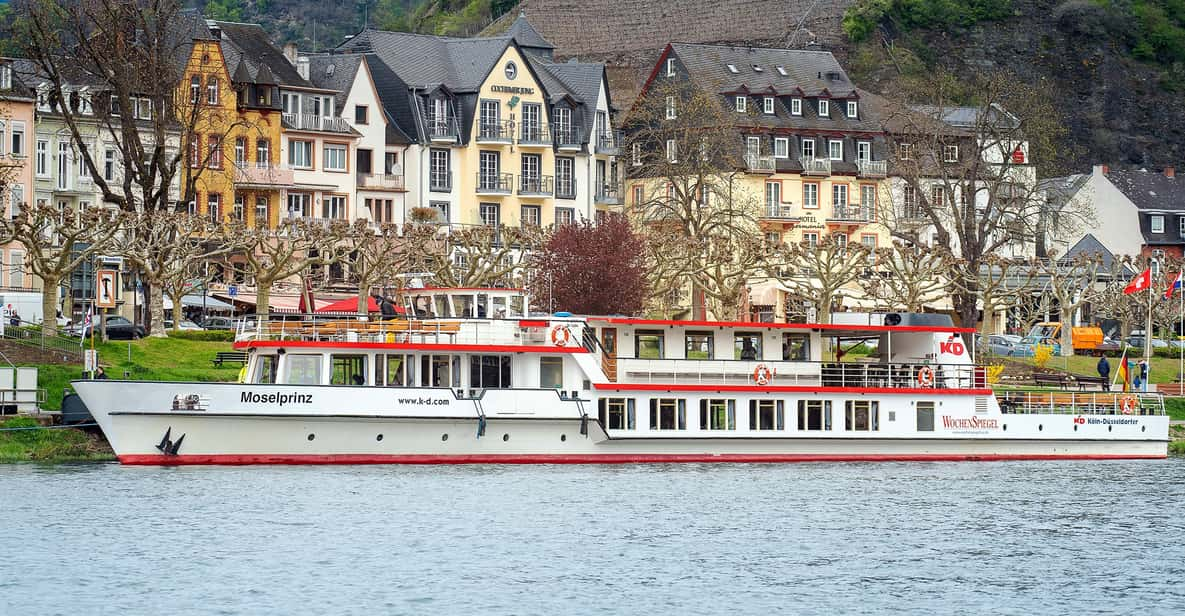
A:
(276, 398)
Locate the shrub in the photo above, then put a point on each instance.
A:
(212, 335)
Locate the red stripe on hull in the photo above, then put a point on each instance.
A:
(791, 389)
(242, 459)
(412, 346)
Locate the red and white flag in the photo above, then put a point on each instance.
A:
(1142, 282)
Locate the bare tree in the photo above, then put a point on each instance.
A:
(909, 277)
(1067, 284)
(817, 274)
(374, 256)
(269, 256)
(481, 256)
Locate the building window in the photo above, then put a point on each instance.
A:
(811, 239)
(867, 197)
(767, 415)
(212, 91)
(64, 156)
(639, 194)
(835, 149)
(109, 165)
(565, 178)
(551, 372)
(334, 207)
(299, 205)
(636, 154)
(861, 416)
(824, 108)
(240, 151)
(746, 346)
(937, 196)
(648, 344)
(5, 77)
(17, 269)
(781, 147)
(869, 240)
(335, 157)
(441, 208)
(1181, 226)
(773, 196)
(698, 345)
(488, 169)
(668, 414)
(236, 211)
(671, 112)
(195, 89)
(41, 158)
(490, 214)
(214, 207)
(852, 109)
(814, 415)
(672, 155)
(717, 414)
(489, 119)
(950, 153)
(732, 68)
(796, 106)
(617, 413)
(1157, 223)
(263, 153)
(767, 105)
(839, 195)
(810, 195)
(439, 176)
(361, 114)
(904, 151)
(864, 150)
(670, 67)
(742, 104)
(565, 216)
(17, 139)
(262, 212)
(214, 145)
(530, 215)
(300, 154)
(808, 149)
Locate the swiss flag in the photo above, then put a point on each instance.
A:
(1139, 283)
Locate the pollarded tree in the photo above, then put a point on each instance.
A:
(818, 273)
(1069, 284)
(482, 256)
(295, 246)
(590, 268)
(908, 278)
(374, 255)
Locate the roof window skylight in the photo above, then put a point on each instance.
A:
(782, 70)
(757, 69)
(732, 68)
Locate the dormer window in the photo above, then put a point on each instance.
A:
(672, 154)
(950, 153)
(742, 104)
(767, 105)
(1181, 225)
(670, 67)
(5, 77)
(732, 68)
(782, 71)
(904, 151)
(757, 69)
(1156, 224)
(824, 108)
(852, 109)
(671, 112)
(796, 106)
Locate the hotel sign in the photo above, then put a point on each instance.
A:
(512, 90)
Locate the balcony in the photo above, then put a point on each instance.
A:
(609, 142)
(608, 194)
(565, 188)
(380, 181)
(872, 168)
(758, 163)
(535, 185)
(568, 139)
(852, 213)
(313, 122)
(538, 135)
(441, 130)
(440, 182)
(494, 183)
(495, 132)
(262, 175)
(816, 166)
(779, 212)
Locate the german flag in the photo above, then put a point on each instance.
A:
(1125, 374)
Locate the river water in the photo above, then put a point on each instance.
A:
(925, 538)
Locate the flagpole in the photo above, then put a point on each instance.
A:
(1181, 338)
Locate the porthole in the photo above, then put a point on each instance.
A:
(1143, 428)
(1075, 427)
(1040, 427)
(1004, 427)
(563, 437)
(379, 437)
(312, 436)
(505, 437)
(444, 437)
(1108, 428)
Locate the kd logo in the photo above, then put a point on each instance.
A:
(951, 347)
(1079, 420)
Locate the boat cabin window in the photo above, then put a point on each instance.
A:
(395, 370)
(699, 345)
(489, 371)
(499, 307)
(421, 306)
(347, 370)
(747, 346)
(440, 371)
(668, 414)
(796, 347)
(814, 414)
(862, 415)
(767, 415)
(464, 306)
(302, 369)
(516, 306)
(551, 372)
(648, 344)
(441, 303)
(717, 414)
(617, 413)
(265, 369)
(925, 416)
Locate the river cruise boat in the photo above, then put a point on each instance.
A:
(470, 376)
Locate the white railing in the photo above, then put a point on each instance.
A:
(872, 168)
(346, 327)
(816, 166)
(310, 121)
(779, 211)
(801, 373)
(380, 180)
(1070, 403)
(758, 162)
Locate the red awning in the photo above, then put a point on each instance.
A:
(350, 304)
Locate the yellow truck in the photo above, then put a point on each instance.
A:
(1085, 339)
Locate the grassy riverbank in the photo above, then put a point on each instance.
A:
(23, 440)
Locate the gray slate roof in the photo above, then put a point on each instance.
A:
(424, 61)
(1090, 246)
(334, 72)
(526, 34)
(812, 72)
(969, 117)
(250, 46)
(1150, 190)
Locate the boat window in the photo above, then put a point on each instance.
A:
(648, 344)
(862, 415)
(441, 302)
(516, 306)
(499, 307)
(440, 371)
(796, 347)
(464, 306)
(483, 302)
(814, 414)
(747, 345)
(925, 416)
(551, 372)
(668, 414)
(617, 413)
(347, 369)
(767, 415)
(265, 369)
(718, 414)
(400, 371)
(699, 345)
(489, 371)
(302, 369)
(422, 306)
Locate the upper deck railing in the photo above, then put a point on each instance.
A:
(338, 328)
(793, 373)
(1075, 403)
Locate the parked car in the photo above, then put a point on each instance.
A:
(222, 323)
(186, 325)
(1138, 341)
(1027, 347)
(118, 328)
(1000, 345)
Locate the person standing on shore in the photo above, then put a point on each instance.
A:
(1104, 368)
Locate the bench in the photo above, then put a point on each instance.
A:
(1056, 380)
(1083, 381)
(230, 357)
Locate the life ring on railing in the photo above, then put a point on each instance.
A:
(762, 375)
(926, 376)
(1127, 405)
(560, 336)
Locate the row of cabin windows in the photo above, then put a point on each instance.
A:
(720, 414)
(401, 370)
(650, 344)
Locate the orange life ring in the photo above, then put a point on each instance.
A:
(926, 376)
(762, 375)
(560, 336)
(1127, 405)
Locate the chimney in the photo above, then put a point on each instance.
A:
(1102, 169)
(302, 67)
(290, 53)
(1170, 172)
